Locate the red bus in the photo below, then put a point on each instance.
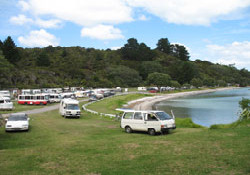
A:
(36, 99)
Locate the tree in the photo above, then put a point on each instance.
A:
(5, 72)
(10, 51)
(180, 52)
(123, 76)
(175, 84)
(163, 45)
(196, 82)
(1, 45)
(159, 79)
(136, 52)
(43, 60)
(148, 67)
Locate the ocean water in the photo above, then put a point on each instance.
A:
(221, 107)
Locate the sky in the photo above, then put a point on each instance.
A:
(211, 30)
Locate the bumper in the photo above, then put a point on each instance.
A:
(17, 129)
(73, 115)
(166, 129)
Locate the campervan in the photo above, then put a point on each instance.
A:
(5, 103)
(68, 95)
(54, 98)
(5, 93)
(149, 121)
(69, 108)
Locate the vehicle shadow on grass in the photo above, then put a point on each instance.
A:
(156, 134)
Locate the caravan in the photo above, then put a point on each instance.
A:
(69, 108)
(5, 103)
(5, 93)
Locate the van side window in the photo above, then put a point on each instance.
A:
(151, 117)
(128, 115)
(138, 116)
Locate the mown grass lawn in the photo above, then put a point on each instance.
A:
(96, 145)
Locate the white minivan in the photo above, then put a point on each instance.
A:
(150, 121)
(69, 108)
(5, 103)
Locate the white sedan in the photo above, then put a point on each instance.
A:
(17, 122)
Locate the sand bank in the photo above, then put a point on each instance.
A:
(148, 102)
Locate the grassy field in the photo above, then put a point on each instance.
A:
(19, 108)
(94, 145)
(110, 104)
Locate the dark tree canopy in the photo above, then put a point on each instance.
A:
(159, 79)
(180, 52)
(136, 52)
(10, 51)
(163, 45)
(43, 60)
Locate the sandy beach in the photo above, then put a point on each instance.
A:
(148, 102)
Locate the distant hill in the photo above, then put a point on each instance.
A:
(129, 66)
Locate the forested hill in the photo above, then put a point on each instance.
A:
(135, 64)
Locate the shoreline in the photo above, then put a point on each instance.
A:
(147, 103)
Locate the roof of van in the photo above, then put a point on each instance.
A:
(69, 100)
(132, 110)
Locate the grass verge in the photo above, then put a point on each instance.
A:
(110, 104)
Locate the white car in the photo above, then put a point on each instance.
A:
(17, 122)
(150, 121)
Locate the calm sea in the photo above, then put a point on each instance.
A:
(221, 107)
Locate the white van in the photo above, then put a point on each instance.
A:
(5, 103)
(54, 98)
(69, 108)
(150, 121)
(5, 93)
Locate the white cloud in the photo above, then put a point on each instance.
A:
(116, 47)
(23, 20)
(38, 38)
(20, 20)
(191, 12)
(143, 18)
(84, 13)
(52, 23)
(102, 32)
(237, 53)
(24, 5)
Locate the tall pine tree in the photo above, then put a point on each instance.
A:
(10, 51)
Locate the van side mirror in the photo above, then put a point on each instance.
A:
(64, 107)
(6, 120)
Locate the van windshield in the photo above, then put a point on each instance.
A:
(163, 116)
(73, 107)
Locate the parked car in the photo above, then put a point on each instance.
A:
(6, 104)
(149, 121)
(17, 122)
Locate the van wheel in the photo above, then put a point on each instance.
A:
(41, 103)
(151, 132)
(25, 103)
(128, 129)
